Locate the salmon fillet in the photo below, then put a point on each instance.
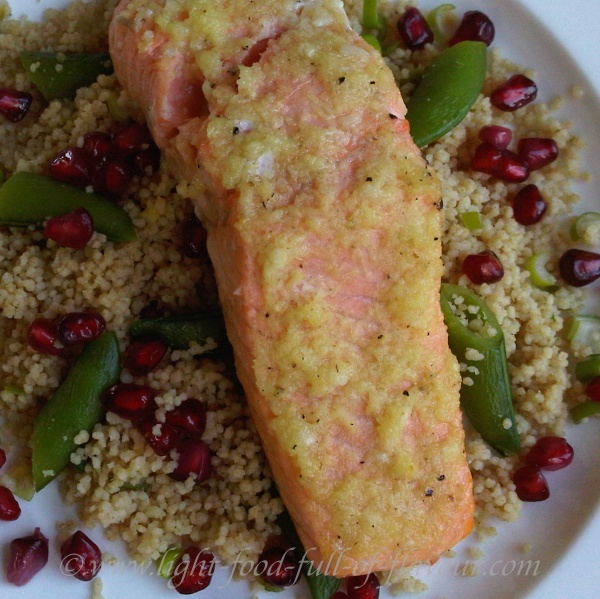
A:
(288, 132)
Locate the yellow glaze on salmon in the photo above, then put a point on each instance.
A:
(324, 223)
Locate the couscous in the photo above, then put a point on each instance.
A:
(116, 480)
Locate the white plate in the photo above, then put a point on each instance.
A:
(560, 42)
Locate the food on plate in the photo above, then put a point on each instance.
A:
(323, 226)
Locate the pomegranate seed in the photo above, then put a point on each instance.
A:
(476, 27)
(161, 436)
(529, 206)
(278, 567)
(363, 587)
(72, 166)
(550, 453)
(131, 138)
(189, 417)
(9, 506)
(537, 152)
(80, 326)
(147, 161)
(144, 355)
(592, 389)
(130, 401)
(43, 337)
(194, 238)
(14, 104)
(484, 267)
(98, 145)
(496, 136)
(72, 230)
(2, 457)
(80, 557)
(514, 93)
(193, 572)
(27, 556)
(502, 164)
(579, 267)
(414, 30)
(114, 177)
(194, 459)
(531, 484)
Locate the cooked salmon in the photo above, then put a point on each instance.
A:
(288, 132)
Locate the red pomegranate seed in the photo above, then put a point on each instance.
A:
(72, 166)
(278, 567)
(130, 401)
(144, 355)
(98, 145)
(484, 267)
(592, 389)
(531, 484)
(131, 138)
(14, 104)
(189, 417)
(537, 152)
(529, 206)
(363, 587)
(194, 238)
(514, 93)
(579, 267)
(414, 30)
(194, 459)
(193, 572)
(80, 326)
(496, 136)
(2, 457)
(117, 176)
(147, 161)
(9, 506)
(550, 453)
(502, 164)
(72, 230)
(161, 436)
(476, 27)
(27, 556)
(43, 337)
(80, 557)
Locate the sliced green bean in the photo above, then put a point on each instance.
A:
(165, 564)
(584, 410)
(485, 393)
(449, 87)
(588, 369)
(28, 199)
(76, 405)
(59, 75)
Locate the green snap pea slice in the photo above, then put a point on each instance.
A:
(76, 405)
(487, 401)
(28, 199)
(449, 87)
(588, 368)
(59, 75)
(584, 410)
(165, 564)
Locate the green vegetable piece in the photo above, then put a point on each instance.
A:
(166, 563)
(472, 220)
(449, 87)
(370, 16)
(372, 41)
(538, 275)
(436, 17)
(29, 199)
(321, 586)
(179, 331)
(61, 75)
(76, 405)
(487, 401)
(584, 410)
(580, 223)
(588, 369)
(17, 477)
(584, 333)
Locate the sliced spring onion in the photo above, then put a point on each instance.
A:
(539, 276)
(372, 41)
(472, 220)
(588, 369)
(370, 16)
(435, 19)
(584, 410)
(584, 333)
(580, 223)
